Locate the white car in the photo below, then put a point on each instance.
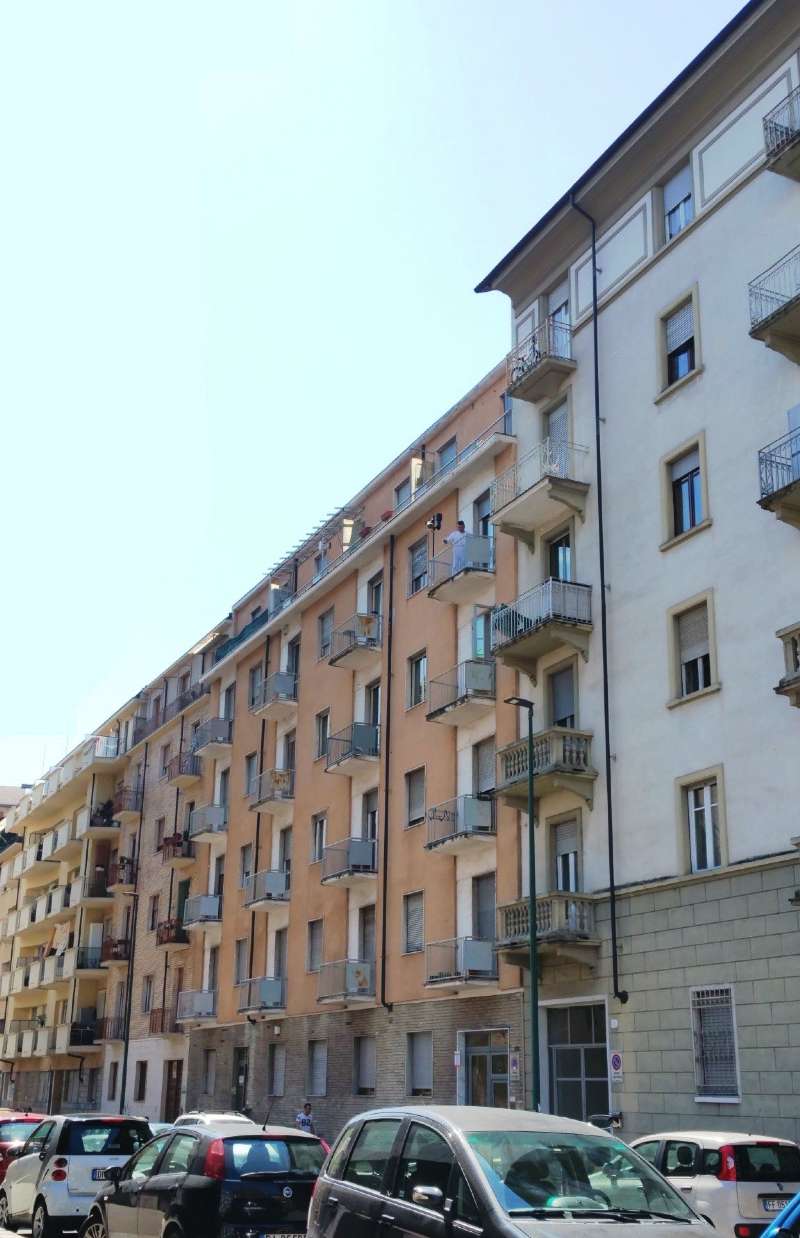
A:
(53, 1178)
(229, 1117)
(740, 1182)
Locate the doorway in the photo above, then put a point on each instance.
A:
(578, 1059)
(239, 1082)
(173, 1082)
(486, 1068)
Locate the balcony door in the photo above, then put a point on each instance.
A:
(218, 875)
(366, 934)
(481, 513)
(281, 947)
(372, 703)
(289, 750)
(483, 767)
(375, 595)
(559, 557)
(484, 906)
(486, 1064)
(481, 635)
(293, 656)
(369, 814)
(578, 1059)
(212, 969)
(793, 417)
(557, 434)
(565, 857)
(229, 702)
(285, 853)
(173, 1083)
(180, 902)
(561, 685)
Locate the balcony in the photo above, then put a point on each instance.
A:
(171, 933)
(461, 961)
(197, 1005)
(272, 885)
(459, 826)
(782, 136)
(5, 979)
(789, 684)
(127, 804)
(272, 786)
(99, 824)
(547, 485)
(45, 1042)
(463, 694)
(779, 477)
(276, 698)
(263, 994)
(62, 841)
(122, 875)
(82, 1034)
(115, 950)
(88, 959)
(184, 769)
(554, 614)
(565, 929)
(208, 823)
(350, 862)
(100, 754)
(95, 891)
(775, 306)
(177, 852)
(203, 911)
(537, 366)
(143, 727)
(111, 1029)
(357, 643)
(52, 971)
(347, 980)
(163, 1022)
(460, 573)
(562, 761)
(355, 748)
(213, 738)
(33, 856)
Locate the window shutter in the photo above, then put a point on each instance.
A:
(416, 795)
(566, 838)
(561, 686)
(484, 904)
(714, 1042)
(278, 1070)
(693, 633)
(420, 1052)
(318, 1067)
(686, 464)
(419, 558)
(414, 922)
(677, 188)
(366, 1061)
(680, 327)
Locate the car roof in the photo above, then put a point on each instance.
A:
(212, 1115)
(474, 1118)
(247, 1130)
(715, 1139)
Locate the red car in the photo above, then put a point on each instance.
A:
(15, 1129)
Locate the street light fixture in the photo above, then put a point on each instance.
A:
(524, 703)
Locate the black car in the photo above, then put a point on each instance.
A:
(203, 1182)
(452, 1171)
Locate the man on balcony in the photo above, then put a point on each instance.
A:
(457, 540)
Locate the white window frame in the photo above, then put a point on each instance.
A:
(413, 894)
(409, 1066)
(706, 808)
(319, 834)
(716, 1100)
(418, 659)
(322, 750)
(309, 961)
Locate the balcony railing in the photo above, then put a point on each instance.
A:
(122, 871)
(352, 855)
(466, 816)
(549, 458)
(127, 799)
(95, 885)
(559, 916)
(459, 960)
(272, 884)
(474, 553)
(88, 958)
(163, 1022)
(280, 686)
(116, 950)
(142, 727)
(212, 731)
(197, 1004)
(271, 786)
(775, 288)
(84, 1033)
(779, 464)
(211, 819)
(265, 993)
(202, 909)
(100, 748)
(362, 631)
(171, 933)
(176, 847)
(557, 748)
(346, 979)
(558, 601)
(183, 765)
(472, 679)
(111, 1029)
(550, 340)
(359, 740)
(782, 125)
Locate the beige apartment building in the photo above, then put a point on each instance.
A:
(296, 864)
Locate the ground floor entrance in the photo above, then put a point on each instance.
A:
(486, 1068)
(578, 1060)
(173, 1082)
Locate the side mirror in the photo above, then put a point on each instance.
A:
(15, 1151)
(42, 1154)
(113, 1173)
(428, 1197)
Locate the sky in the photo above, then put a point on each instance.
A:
(240, 243)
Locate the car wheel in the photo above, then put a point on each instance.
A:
(41, 1225)
(94, 1227)
(5, 1215)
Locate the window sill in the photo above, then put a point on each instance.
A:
(678, 385)
(693, 696)
(718, 1100)
(416, 704)
(412, 825)
(682, 537)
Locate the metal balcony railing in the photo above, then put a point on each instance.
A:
(473, 678)
(122, 871)
(95, 885)
(171, 933)
(142, 727)
(111, 1029)
(550, 339)
(213, 731)
(782, 124)
(88, 958)
(361, 631)
(211, 819)
(549, 458)
(474, 554)
(359, 739)
(465, 816)
(100, 748)
(460, 959)
(775, 288)
(271, 883)
(280, 686)
(779, 464)
(83, 1033)
(552, 601)
(265, 993)
(116, 950)
(163, 1022)
(183, 765)
(351, 855)
(127, 799)
(558, 915)
(202, 909)
(557, 748)
(197, 1004)
(272, 785)
(346, 978)
(176, 847)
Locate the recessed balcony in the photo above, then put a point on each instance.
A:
(276, 698)
(172, 933)
(553, 614)
(775, 306)
(208, 823)
(33, 857)
(562, 761)
(538, 365)
(109, 1030)
(52, 971)
(213, 738)
(100, 824)
(266, 993)
(95, 891)
(565, 929)
(184, 769)
(460, 962)
(464, 694)
(122, 875)
(782, 136)
(197, 1006)
(357, 643)
(163, 1022)
(45, 1042)
(264, 889)
(203, 911)
(115, 951)
(350, 862)
(62, 841)
(145, 726)
(460, 573)
(177, 852)
(80, 1034)
(347, 980)
(355, 748)
(272, 786)
(779, 477)
(789, 684)
(461, 825)
(548, 484)
(127, 804)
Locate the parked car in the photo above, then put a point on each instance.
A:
(14, 1130)
(160, 1128)
(786, 1222)
(197, 1117)
(440, 1170)
(738, 1181)
(212, 1182)
(53, 1177)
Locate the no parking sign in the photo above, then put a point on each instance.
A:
(615, 1064)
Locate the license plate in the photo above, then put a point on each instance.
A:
(776, 1204)
(98, 1175)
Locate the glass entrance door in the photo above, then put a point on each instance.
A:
(486, 1068)
(576, 1040)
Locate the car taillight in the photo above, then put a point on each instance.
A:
(727, 1165)
(214, 1164)
(59, 1171)
(326, 1146)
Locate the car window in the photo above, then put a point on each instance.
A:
(179, 1155)
(649, 1150)
(767, 1162)
(141, 1166)
(38, 1137)
(12, 1131)
(680, 1158)
(106, 1138)
(371, 1151)
(339, 1155)
(464, 1206)
(426, 1160)
(254, 1154)
(712, 1159)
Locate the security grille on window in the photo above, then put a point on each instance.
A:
(413, 923)
(325, 628)
(415, 796)
(704, 841)
(314, 955)
(678, 205)
(277, 1070)
(693, 649)
(418, 567)
(687, 497)
(317, 1067)
(565, 850)
(714, 1034)
(318, 827)
(417, 679)
(420, 1063)
(364, 1065)
(679, 328)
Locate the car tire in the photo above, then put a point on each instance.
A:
(93, 1227)
(41, 1225)
(5, 1218)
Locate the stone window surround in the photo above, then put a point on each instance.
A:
(673, 658)
(670, 538)
(666, 388)
(682, 785)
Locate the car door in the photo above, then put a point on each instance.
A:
(23, 1177)
(680, 1165)
(122, 1201)
(415, 1207)
(353, 1205)
(157, 1193)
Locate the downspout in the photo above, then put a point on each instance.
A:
(620, 994)
(387, 743)
(261, 742)
(126, 1027)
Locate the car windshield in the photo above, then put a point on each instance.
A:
(107, 1138)
(541, 1172)
(270, 1156)
(16, 1130)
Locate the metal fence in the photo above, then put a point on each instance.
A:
(461, 817)
(359, 739)
(462, 958)
(550, 339)
(550, 458)
(779, 463)
(361, 631)
(775, 288)
(346, 978)
(351, 855)
(280, 686)
(271, 883)
(264, 993)
(473, 553)
(559, 600)
(475, 677)
(782, 124)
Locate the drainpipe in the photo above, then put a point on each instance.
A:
(126, 1019)
(387, 736)
(620, 994)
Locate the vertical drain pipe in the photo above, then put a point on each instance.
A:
(620, 994)
(387, 737)
(126, 1040)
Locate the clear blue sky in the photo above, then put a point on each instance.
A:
(240, 242)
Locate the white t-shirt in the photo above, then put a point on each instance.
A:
(305, 1121)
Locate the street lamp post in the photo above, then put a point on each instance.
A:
(527, 705)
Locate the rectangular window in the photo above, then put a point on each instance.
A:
(209, 1071)
(704, 833)
(324, 629)
(447, 454)
(413, 922)
(402, 494)
(418, 567)
(164, 758)
(322, 724)
(113, 1075)
(679, 342)
(375, 595)
(224, 786)
(250, 772)
(369, 814)
(565, 855)
(147, 994)
(229, 702)
(241, 961)
(678, 205)
(561, 686)
(714, 1035)
(289, 749)
(152, 913)
(276, 1070)
(183, 683)
(314, 947)
(419, 1063)
(484, 906)
(255, 678)
(687, 495)
(140, 1082)
(317, 1068)
(319, 824)
(559, 557)
(694, 656)
(161, 829)
(417, 679)
(245, 864)
(415, 795)
(364, 1063)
